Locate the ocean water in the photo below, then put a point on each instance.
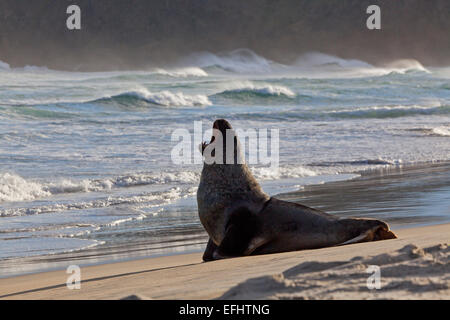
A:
(85, 158)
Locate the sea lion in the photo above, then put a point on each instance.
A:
(241, 219)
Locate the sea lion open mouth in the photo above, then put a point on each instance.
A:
(219, 126)
(205, 144)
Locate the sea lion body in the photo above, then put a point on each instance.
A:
(241, 219)
(218, 195)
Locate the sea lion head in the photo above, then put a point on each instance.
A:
(224, 146)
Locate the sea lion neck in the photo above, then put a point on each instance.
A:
(236, 177)
(231, 177)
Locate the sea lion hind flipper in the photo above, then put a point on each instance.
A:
(383, 234)
(380, 232)
(363, 237)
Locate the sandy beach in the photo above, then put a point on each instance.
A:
(407, 272)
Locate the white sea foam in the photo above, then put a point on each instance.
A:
(262, 89)
(318, 59)
(311, 64)
(29, 68)
(157, 178)
(69, 186)
(15, 188)
(161, 98)
(4, 66)
(239, 61)
(386, 111)
(404, 65)
(167, 98)
(120, 221)
(441, 131)
(320, 62)
(183, 72)
(267, 173)
(152, 199)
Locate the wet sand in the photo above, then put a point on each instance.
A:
(186, 277)
(403, 196)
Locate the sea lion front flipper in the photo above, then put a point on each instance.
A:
(241, 228)
(208, 255)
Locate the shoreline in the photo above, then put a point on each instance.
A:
(358, 197)
(187, 277)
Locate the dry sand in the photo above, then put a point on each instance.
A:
(415, 266)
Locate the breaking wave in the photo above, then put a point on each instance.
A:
(320, 62)
(318, 59)
(27, 69)
(238, 61)
(162, 98)
(307, 65)
(267, 173)
(182, 72)
(248, 89)
(406, 65)
(14, 188)
(372, 112)
(441, 131)
(153, 199)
